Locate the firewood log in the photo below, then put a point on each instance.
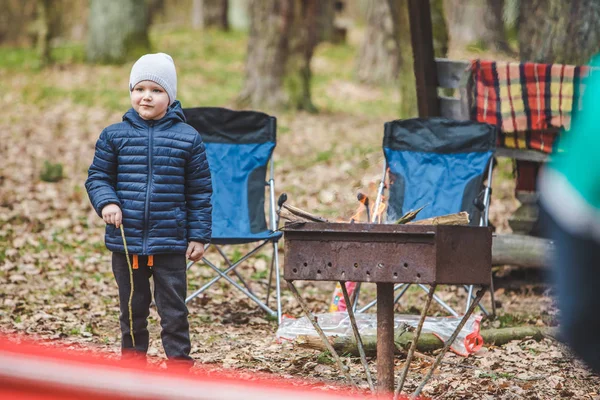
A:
(461, 218)
(427, 343)
(304, 214)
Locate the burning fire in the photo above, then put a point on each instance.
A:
(374, 211)
(373, 215)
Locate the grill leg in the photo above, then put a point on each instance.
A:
(385, 338)
(413, 345)
(313, 321)
(448, 342)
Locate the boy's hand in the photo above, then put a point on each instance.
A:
(111, 214)
(195, 251)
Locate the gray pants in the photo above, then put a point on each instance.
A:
(170, 286)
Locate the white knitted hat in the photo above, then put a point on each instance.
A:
(158, 68)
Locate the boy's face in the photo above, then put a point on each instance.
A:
(150, 100)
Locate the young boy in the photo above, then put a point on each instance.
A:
(150, 176)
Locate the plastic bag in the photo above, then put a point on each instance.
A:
(467, 342)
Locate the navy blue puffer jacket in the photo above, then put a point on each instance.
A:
(157, 172)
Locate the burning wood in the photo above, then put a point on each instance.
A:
(300, 214)
(461, 218)
(295, 214)
(364, 199)
(409, 216)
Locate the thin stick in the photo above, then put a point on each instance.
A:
(413, 345)
(438, 360)
(359, 343)
(313, 321)
(131, 284)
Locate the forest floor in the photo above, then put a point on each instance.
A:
(55, 276)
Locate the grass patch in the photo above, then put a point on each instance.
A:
(495, 376)
(325, 358)
(511, 320)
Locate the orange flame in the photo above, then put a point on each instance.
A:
(358, 214)
(378, 214)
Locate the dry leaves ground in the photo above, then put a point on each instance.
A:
(55, 278)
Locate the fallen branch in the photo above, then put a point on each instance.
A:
(427, 343)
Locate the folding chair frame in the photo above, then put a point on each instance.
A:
(483, 221)
(223, 273)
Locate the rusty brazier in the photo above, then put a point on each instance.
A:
(427, 254)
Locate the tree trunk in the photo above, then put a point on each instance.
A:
(427, 343)
(283, 35)
(267, 55)
(386, 55)
(558, 31)
(302, 45)
(43, 40)
(118, 30)
(379, 57)
(210, 14)
(325, 20)
(476, 22)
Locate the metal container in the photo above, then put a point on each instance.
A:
(428, 254)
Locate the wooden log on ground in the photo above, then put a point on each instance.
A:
(427, 343)
(521, 250)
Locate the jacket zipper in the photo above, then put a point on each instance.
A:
(149, 183)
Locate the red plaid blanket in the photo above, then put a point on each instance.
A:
(526, 101)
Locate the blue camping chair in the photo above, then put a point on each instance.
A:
(239, 146)
(440, 164)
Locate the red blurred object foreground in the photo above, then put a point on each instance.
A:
(30, 370)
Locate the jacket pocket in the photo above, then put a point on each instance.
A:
(111, 230)
(181, 222)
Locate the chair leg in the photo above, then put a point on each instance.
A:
(235, 271)
(374, 302)
(277, 281)
(354, 297)
(252, 297)
(492, 296)
(215, 279)
(270, 277)
(439, 301)
(471, 296)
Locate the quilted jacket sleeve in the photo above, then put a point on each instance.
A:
(198, 194)
(102, 176)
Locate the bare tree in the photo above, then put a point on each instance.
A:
(386, 54)
(301, 47)
(43, 25)
(477, 21)
(280, 47)
(380, 54)
(267, 54)
(118, 30)
(557, 31)
(210, 13)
